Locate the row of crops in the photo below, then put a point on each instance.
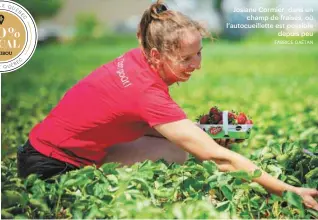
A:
(278, 94)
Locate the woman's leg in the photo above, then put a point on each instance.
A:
(145, 148)
(30, 161)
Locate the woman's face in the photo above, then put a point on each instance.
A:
(186, 61)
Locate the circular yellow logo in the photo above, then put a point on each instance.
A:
(18, 36)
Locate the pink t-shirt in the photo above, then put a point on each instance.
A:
(116, 103)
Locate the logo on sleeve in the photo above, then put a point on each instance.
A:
(121, 73)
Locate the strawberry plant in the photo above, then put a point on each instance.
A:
(278, 93)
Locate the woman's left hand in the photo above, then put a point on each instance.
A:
(227, 142)
(308, 195)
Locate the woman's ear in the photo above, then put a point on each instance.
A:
(138, 35)
(138, 38)
(155, 56)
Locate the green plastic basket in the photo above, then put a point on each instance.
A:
(226, 131)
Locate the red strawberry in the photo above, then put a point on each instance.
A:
(231, 115)
(204, 119)
(214, 111)
(241, 118)
(232, 118)
(249, 122)
(215, 118)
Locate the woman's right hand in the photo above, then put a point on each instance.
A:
(308, 195)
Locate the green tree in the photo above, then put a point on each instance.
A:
(41, 8)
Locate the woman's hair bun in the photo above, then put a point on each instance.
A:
(160, 7)
(156, 9)
(163, 28)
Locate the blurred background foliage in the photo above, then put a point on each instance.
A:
(40, 9)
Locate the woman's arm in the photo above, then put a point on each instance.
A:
(151, 132)
(192, 139)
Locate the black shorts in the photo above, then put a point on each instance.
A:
(30, 161)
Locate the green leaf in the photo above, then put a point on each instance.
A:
(100, 190)
(258, 188)
(227, 192)
(6, 215)
(77, 213)
(283, 159)
(294, 200)
(164, 192)
(313, 162)
(70, 182)
(40, 204)
(287, 147)
(274, 170)
(223, 206)
(223, 179)
(30, 180)
(308, 132)
(293, 180)
(210, 166)
(87, 171)
(20, 217)
(255, 201)
(146, 174)
(94, 213)
(314, 213)
(257, 173)
(112, 179)
(240, 174)
(213, 178)
(149, 189)
(268, 156)
(245, 214)
(275, 147)
(313, 174)
(109, 168)
(10, 198)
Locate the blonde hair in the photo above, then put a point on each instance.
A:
(163, 29)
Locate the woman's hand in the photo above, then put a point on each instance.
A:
(308, 197)
(227, 142)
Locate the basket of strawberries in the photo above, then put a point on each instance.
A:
(225, 124)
